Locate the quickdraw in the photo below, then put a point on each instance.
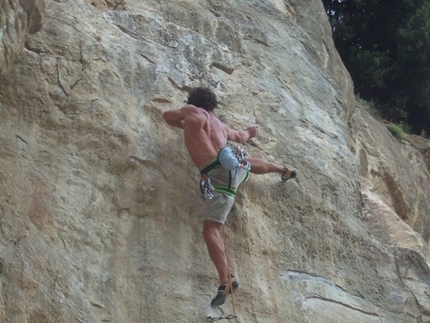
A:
(212, 318)
(206, 187)
(240, 155)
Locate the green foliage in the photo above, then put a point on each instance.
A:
(407, 128)
(370, 69)
(385, 46)
(395, 130)
(369, 106)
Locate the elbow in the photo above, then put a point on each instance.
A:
(164, 116)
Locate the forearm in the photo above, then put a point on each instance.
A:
(242, 136)
(246, 135)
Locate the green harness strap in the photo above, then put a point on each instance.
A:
(226, 189)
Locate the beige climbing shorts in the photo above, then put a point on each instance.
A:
(225, 183)
(218, 208)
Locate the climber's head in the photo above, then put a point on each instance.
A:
(202, 97)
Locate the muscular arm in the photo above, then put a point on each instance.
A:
(177, 117)
(174, 118)
(242, 136)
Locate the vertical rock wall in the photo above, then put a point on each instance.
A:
(100, 210)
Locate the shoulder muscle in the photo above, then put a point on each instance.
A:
(194, 116)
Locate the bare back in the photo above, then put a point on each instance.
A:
(205, 135)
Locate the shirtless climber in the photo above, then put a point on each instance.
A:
(222, 171)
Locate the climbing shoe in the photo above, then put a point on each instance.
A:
(223, 291)
(288, 173)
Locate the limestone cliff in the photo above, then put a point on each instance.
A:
(100, 208)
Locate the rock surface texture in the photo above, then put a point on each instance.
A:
(100, 208)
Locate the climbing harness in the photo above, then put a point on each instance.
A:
(212, 318)
(232, 161)
(206, 187)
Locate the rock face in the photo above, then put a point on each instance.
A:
(100, 208)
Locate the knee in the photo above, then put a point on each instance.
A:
(211, 229)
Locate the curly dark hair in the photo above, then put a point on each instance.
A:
(203, 97)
